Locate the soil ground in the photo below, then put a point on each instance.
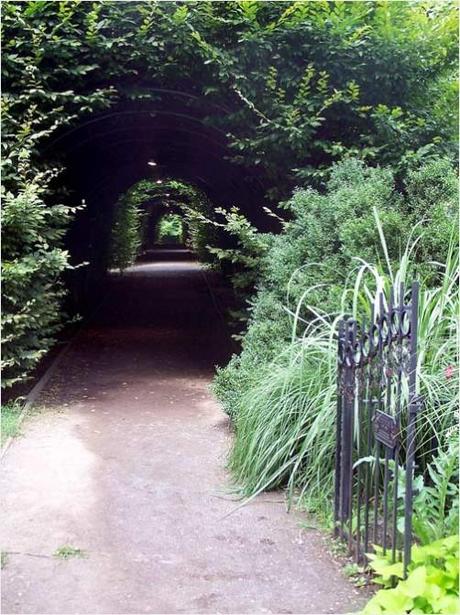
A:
(126, 462)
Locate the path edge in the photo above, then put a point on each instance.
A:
(38, 387)
(32, 396)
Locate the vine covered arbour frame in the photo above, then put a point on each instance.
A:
(231, 66)
(245, 99)
(138, 210)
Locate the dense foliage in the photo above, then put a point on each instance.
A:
(314, 252)
(285, 73)
(281, 78)
(170, 229)
(127, 230)
(431, 586)
(150, 198)
(33, 260)
(436, 505)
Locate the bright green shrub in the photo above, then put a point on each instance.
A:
(316, 247)
(432, 202)
(432, 584)
(170, 229)
(307, 252)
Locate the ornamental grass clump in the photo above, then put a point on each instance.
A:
(288, 417)
(285, 425)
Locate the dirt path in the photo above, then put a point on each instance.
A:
(127, 464)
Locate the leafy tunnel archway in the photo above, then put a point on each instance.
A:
(139, 211)
(307, 151)
(243, 100)
(85, 116)
(106, 155)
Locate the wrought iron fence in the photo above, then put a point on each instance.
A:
(377, 404)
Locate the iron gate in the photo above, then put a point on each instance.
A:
(377, 406)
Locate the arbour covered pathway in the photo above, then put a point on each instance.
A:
(169, 137)
(127, 463)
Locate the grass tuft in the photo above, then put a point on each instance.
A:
(67, 552)
(3, 559)
(10, 420)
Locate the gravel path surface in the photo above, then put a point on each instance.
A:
(126, 462)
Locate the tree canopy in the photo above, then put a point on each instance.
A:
(292, 86)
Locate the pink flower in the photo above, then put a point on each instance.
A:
(449, 372)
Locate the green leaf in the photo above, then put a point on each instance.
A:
(415, 583)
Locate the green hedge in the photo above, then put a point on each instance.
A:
(317, 246)
(32, 263)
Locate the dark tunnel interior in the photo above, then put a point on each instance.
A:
(107, 153)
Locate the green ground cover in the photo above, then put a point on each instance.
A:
(10, 420)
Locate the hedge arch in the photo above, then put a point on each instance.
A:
(244, 100)
(139, 210)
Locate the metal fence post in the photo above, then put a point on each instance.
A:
(414, 403)
(373, 361)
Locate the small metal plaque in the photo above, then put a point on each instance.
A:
(385, 429)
